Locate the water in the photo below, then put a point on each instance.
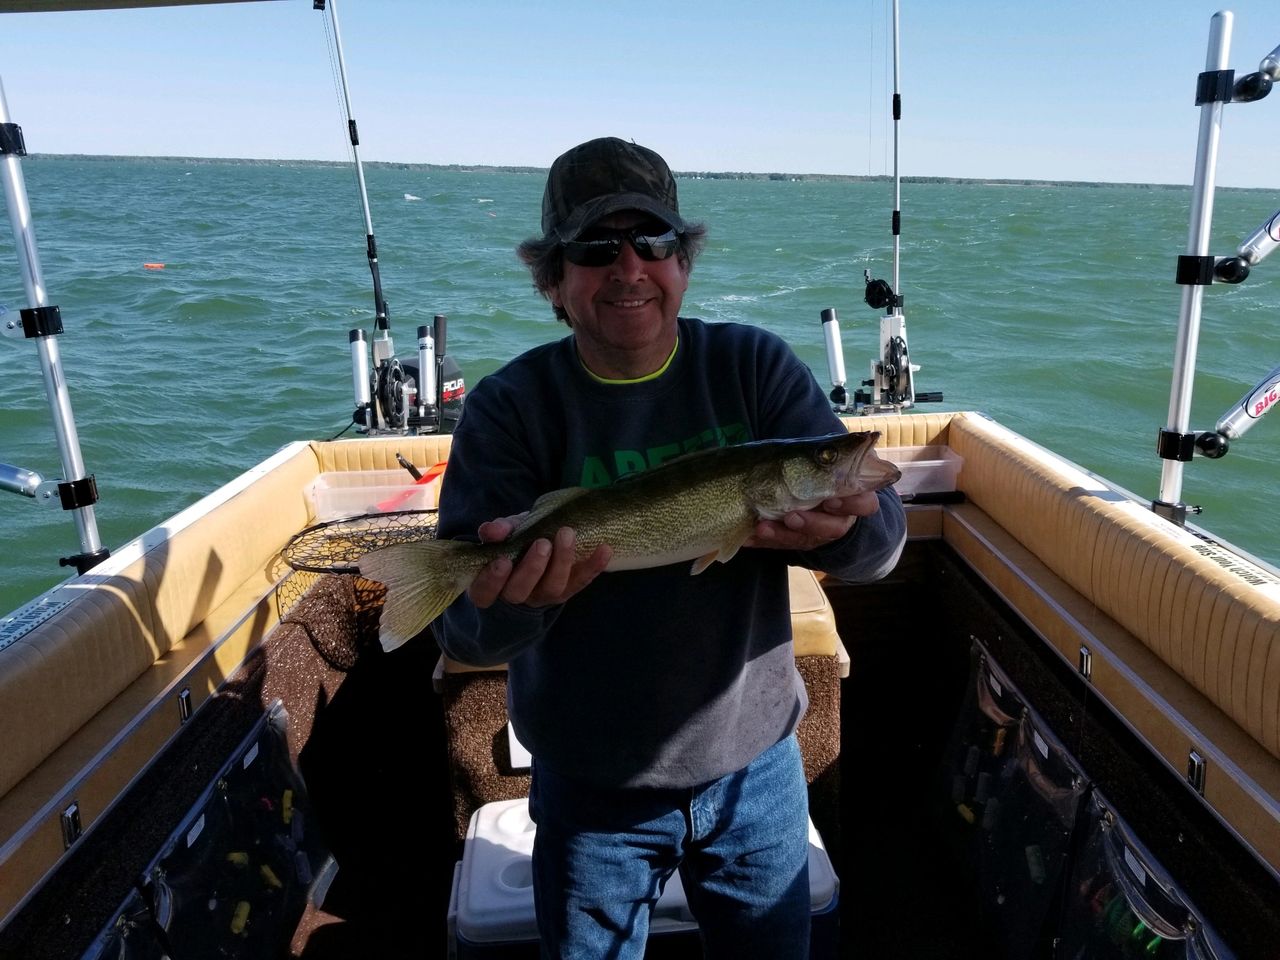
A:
(1052, 308)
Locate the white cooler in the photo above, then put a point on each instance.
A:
(491, 907)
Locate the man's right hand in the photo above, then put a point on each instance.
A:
(547, 574)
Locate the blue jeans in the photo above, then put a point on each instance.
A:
(601, 858)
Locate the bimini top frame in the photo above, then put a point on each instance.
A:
(1177, 443)
(42, 322)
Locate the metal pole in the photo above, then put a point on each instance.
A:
(1184, 359)
(55, 384)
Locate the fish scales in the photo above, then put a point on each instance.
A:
(680, 513)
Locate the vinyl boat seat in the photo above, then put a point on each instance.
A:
(1090, 569)
(119, 656)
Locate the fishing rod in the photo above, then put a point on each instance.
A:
(381, 399)
(388, 377)
(394, 397)
(892, 379)
(1176, 443)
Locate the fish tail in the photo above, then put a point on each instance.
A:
(422, 579)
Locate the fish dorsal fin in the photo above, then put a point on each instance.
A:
(549, 502)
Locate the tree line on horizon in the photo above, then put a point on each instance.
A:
(680, 174)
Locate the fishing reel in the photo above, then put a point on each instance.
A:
(393, 392)
(895, 372)
(879, 295)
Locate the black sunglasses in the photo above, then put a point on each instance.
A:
(603, 245)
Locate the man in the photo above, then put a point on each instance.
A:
(659, 707)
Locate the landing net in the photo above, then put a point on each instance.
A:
(336, 546)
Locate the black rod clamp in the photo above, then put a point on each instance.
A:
(78, 493)
(1215, 86)
(11, 142)
(1175, 446)
(1193, 270)
(41, 321)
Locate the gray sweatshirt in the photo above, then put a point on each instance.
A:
(647, 677)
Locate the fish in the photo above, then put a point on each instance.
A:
(698, 507)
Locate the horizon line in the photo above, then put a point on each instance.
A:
(775, 176)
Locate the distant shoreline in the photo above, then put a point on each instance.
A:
(681, 174)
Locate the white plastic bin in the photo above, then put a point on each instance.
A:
(353, 493)
(928, 469)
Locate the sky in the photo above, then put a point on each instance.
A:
(1090, 90)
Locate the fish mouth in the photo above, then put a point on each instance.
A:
(866, 471)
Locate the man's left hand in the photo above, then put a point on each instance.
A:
(808, 529)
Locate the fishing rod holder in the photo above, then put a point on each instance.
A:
(835, 359)
(1252, 86)
(427, 405)
(70, 494)
(1239, 419)
(382, 390)
(26, 483)
(1256, 247)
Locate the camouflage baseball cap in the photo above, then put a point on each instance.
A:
(603, 176)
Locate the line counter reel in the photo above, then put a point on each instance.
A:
(422, 395)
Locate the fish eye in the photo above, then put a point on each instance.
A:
(825, 456)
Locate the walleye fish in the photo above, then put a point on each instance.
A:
(701, 506)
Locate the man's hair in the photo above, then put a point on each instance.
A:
(544, 256)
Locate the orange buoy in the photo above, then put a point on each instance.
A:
(154, 266)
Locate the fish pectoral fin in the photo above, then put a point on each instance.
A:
(704, 561)
(724, 553)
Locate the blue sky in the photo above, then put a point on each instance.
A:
(1089, 90)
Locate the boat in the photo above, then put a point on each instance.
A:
(1069, 748)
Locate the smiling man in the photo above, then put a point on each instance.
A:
(660, 707)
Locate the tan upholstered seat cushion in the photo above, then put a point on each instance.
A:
(1211, 616)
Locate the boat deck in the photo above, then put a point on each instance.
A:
(1039, 565)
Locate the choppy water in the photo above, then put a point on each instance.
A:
(1052, 308)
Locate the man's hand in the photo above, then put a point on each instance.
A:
(546, 575)
(807, 529)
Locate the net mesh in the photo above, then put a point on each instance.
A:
(336, 546)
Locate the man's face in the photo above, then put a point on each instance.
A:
(624, 314)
